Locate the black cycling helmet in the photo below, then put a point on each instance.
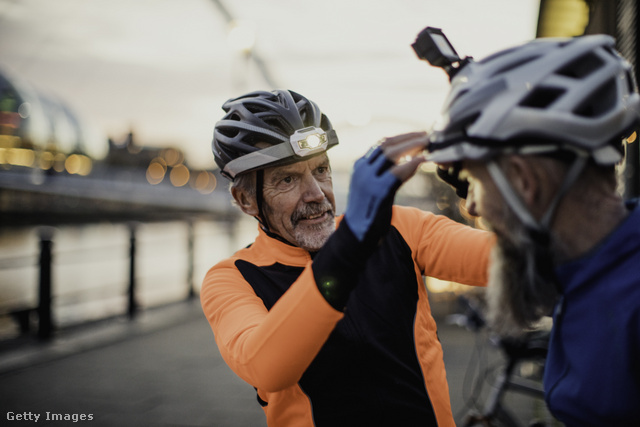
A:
(549, 94)
(264, 129)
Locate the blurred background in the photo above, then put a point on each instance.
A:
(109, 108)
(110, 201)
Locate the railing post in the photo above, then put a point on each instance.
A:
(45, 321)
(190, 260)
(132, 305)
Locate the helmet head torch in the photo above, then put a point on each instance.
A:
(308, 141)
(304, 143)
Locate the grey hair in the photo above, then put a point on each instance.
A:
(246, 182)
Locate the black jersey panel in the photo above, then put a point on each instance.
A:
(370, 359)
(269, 282)
(367, 373)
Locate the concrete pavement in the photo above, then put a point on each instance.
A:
(162, 369)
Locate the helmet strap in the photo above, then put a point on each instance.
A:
(538, 231)
(519, 207)
(511, 197)
(261, 217)
(574, 172)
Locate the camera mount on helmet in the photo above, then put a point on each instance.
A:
(433, 46)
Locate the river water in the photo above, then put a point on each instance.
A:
(91, 266)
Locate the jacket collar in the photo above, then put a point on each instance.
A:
(272, 249)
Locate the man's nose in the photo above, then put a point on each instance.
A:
(312, 190)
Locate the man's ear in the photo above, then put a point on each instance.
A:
(245, 201)
(524, 179)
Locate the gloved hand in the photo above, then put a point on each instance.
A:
(371, 194)
(374, 182)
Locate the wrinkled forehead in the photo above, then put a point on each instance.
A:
(299, 166)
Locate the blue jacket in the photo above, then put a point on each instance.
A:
(592, 376)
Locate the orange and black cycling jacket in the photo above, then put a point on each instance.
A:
(378, 363)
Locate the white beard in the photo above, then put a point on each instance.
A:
(313, 238)
(522, 286)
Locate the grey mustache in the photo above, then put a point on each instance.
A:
(309, 210)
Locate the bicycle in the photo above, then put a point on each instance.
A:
(530, 350)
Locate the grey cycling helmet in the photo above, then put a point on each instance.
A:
(264, 129)
(549, 94)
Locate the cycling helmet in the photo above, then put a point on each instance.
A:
(264, 129)
(546, 95)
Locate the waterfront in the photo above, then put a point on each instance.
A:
(91, 266)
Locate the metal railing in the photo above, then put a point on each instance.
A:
(48, 258)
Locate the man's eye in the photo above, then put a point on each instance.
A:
(287, 180)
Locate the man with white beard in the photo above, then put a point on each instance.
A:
(532, 135)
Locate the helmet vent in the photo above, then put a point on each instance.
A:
(542, 97)
(228, 132)
(599, 102)
(303, 116)
(255, 108)
(582, 66)
(278, 124)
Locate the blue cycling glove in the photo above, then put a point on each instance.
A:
(367, 219)
(372, 184)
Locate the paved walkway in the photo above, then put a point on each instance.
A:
(162, 369)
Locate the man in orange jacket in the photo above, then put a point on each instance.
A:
(332, 326)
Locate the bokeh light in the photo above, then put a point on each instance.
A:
(179, 175)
